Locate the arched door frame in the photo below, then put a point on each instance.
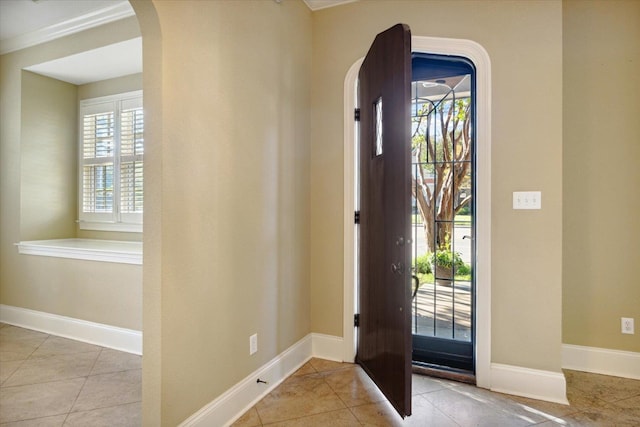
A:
(480, 58)
(152, 240)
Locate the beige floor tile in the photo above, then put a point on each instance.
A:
(38, 400)
(305, 369)
(128, 415)
(116, 361)
(339, 418)
(581, 400)
(383, 414)
(353, 386)
(54, 368)
(248, 419)
(423, 384)
(8, 368)
(15, 332)
(628, 410)
(18, 348)
(298, 397)
(105, 390)
(547, 410)
(322, 365)
(54, 346)
(55, 421)
(587, 419)
(604, 387)
(479, 408)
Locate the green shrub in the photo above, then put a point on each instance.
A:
(463, 270)
(465, 210)
(423, 264)
(447, 258)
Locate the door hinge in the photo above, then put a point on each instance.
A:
(356, 320)
(356, 217)
(356, 114)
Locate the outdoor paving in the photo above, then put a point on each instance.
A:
(443, 311)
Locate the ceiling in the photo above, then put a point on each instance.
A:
(25, 23)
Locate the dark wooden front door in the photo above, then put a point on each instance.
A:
(384, 336)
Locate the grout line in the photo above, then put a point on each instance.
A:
(95, 362)
(13, 373)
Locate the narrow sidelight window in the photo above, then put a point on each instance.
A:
(377, 131)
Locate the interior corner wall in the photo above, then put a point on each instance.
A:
(601, 175)
(233, 193)
(48, 158)
(524, 43)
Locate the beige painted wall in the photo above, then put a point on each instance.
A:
(48, 158)
(233, 196)
(601, 174)
(98, 292)
(110, 87)
(524, 42)
(94, 90)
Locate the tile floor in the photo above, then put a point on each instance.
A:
(50, 381)
(324, 393)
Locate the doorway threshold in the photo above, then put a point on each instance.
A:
(445, 372)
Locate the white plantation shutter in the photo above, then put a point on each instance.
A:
(111, 175)
(131, 163)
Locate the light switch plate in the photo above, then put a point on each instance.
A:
(527, 200)
(253, 344)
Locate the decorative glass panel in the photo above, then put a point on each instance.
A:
(377, 136)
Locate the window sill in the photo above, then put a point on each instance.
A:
(86, 249)
(110, 226)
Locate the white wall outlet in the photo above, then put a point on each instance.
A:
(627, 325)
(253, 344)
(527, 200)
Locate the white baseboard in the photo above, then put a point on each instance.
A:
(526, 382)
(327, 347)
(618, 363)
(122, 339)
(228, 407)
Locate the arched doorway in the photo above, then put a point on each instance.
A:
(479, 57)
(151, 302)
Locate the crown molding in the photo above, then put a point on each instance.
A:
(324, 4)
(71, 26)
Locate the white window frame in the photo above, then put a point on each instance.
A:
(115, 220)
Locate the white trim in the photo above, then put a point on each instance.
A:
(350, 243)
(532, 383)
(604, 361)
(480, 58)
(122, 227)
(122, 339)
(324, 4)
(228, 407)
(327, 347)
(85, 249)
(72, 26)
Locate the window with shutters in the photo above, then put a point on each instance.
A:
(111, 163)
